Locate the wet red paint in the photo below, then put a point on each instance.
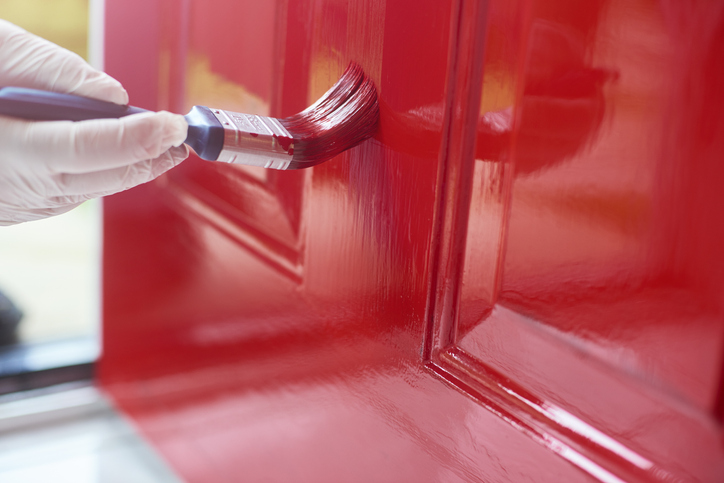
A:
(284, 142)
(518, 279)
(346, 115)
(253, 134)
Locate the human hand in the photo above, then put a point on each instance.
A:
(50, 167)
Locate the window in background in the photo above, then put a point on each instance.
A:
(50, 268)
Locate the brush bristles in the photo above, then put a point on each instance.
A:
(342, 118)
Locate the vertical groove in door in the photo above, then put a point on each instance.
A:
(464, 87)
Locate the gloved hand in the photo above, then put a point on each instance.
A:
(50, 167)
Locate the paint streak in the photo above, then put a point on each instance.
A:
(343, 117)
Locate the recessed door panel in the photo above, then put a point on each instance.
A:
(573, 311)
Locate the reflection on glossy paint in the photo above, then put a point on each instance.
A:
(586, 219)
(275, 324)
(590, 227)
(582, 462)
(208, 88)
(571, 422)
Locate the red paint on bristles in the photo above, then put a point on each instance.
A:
(342, 118)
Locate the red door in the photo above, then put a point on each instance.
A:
(520, 278)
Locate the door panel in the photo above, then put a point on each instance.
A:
(517, 279)
(311, 228)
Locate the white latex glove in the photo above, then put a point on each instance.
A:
(50, 167)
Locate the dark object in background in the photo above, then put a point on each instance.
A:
(10, 317)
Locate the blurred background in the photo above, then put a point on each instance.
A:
(54, 424)
(50, 269)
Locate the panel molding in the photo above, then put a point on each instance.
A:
(456, 167)
(260, 210)
(597, 453)
(283, 258)
(571, 438)
(584, 446)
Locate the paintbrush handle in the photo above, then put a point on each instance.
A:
(38, 105)
(205, 136)
(214, 134)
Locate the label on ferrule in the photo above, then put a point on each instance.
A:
(254, 140)
(253, 159)
(248, 123)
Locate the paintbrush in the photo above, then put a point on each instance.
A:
(343, 117)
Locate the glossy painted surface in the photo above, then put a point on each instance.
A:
(518, 279)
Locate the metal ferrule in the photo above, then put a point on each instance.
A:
(254, 140)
